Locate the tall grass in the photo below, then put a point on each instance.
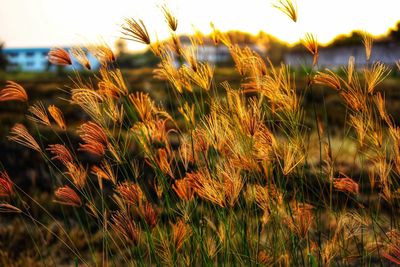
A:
(226, 179)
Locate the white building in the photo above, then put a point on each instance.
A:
(333, 57)
(35, 60)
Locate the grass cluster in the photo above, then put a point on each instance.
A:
(227, 179)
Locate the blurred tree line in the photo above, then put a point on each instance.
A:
(3, 58)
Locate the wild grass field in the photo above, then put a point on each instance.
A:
(191, 165)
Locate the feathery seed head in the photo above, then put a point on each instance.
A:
(288, 7)
(169, 18)
(39, 114)
(135, 30)
(124, 226)
(6, 185)
(67, 196)
(57, 116)
(311, 43)
(61, 153)
(81, 56)
(59, 56)
(13, 91)
(20, 135)
(94, 137)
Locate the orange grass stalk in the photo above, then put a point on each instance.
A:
(57, 116)
(60, 153)
(375, 75)
(149, 215)
(20, 135)
(346, 184)
(183, 189)
(124, 226)
(104, 172)
(81, 57)
(367, 41)
(311, 43)
(180, 233)
(6, 185)
(130, 193)
(13, 91)
(171, 20)
(288, 7)
(59, 56)
(39, 114)
(94, 137)
(328, 78)
(77, 173)
(135, 31)
(8, 208)
(102, 52)
(67, 196)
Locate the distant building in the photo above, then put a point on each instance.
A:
(216, 54)
(35, 60)
(386, 52)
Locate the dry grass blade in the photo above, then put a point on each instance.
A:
(57, 116)
(6, 185)
(375, 75)
(288, 7)
(367, 41)
(7, 208)
(135, 31)
(67, 196)
(311, 43)
(328, 78)
(39, 114)
(94, 137)
(170, 18)
(81, 57)
(59, 56)
(124, 226)
(61, 153)
(13, 91)
(102, 52)
(20, 135)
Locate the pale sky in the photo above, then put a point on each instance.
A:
(45, 23)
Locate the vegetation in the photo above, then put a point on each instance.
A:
(3, 58)
(236, 174)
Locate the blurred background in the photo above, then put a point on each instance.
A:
(31, 28)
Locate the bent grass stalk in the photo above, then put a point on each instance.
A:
(227, 177)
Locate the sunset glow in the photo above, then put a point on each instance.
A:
(27, 23)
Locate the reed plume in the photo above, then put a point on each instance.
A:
(8, 208)
(6, 185)
(67, 196)
(59, 56)
(288, 7)
(60, 153)
(80, 55)
(20, 135)
(367, 41)
(39, 114)
(94, 137)
(171, 20)
(57, 116)
(13, 91)
(311, 43)
(180, 233)
(135, 30)
(124, 226)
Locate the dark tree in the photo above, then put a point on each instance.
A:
(3, 58)
(395, 33)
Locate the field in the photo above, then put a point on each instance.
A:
(191, 165)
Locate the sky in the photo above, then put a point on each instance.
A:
(46, 23)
